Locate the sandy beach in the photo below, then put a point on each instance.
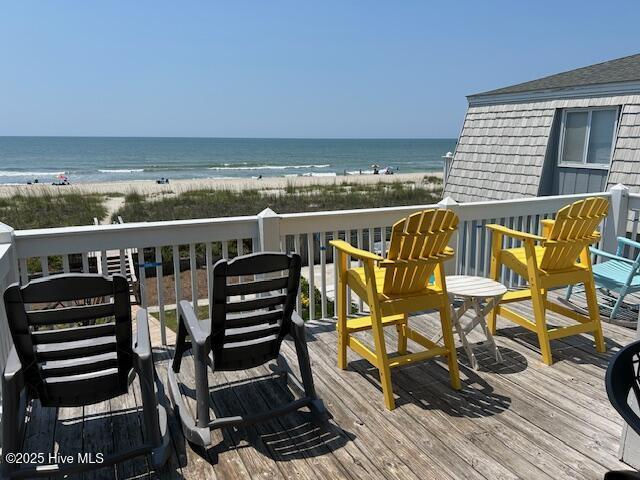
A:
(151, 188)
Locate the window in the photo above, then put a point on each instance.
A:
(587, 136)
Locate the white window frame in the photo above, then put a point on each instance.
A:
(584, 164)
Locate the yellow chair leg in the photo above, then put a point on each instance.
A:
(539, 311)
(493, 275)
(387, 388)
(449, 343)
(594, 315)
(341, 308)
(402, 336)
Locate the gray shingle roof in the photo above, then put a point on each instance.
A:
(626, 69)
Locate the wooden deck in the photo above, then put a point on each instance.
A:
(518, 419)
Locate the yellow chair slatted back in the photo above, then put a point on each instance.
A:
(574, 228)
(418, 244)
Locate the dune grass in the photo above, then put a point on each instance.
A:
(228, 203)
(44, 210)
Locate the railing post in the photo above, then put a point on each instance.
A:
(616, 223)
(7, 237)
(269, 230)
(8, 275)
(450, 267)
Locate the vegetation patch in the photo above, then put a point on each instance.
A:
(229, 203)
(45, 210)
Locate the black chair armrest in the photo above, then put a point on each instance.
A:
(142, 346)
(188, 316)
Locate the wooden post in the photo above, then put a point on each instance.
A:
(269, 231)
(8, 274)
(450, 204)
(616, 223)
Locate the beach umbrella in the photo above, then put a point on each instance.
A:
(62, 176)
(375, 165)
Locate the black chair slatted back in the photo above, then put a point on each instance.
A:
(246, 333)
(77, 349)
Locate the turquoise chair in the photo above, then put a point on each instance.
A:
(617, 274)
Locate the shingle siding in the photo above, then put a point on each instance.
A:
(502, 148)
(625, 165)
(500, 152)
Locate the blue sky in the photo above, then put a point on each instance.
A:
(285, 69)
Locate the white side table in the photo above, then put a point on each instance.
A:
(480, 294)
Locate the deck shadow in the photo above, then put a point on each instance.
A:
(427, 385)
(578, 349)
(297, 435)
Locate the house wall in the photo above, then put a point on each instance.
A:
(569, 180)
(507, 151)
(625, 166)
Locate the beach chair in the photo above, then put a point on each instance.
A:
(73, 346)
(618, 274)
(241, 334)
(395, 286)
(558, 258)
(623, 378)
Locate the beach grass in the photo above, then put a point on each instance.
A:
(227, 203)
(49, 209)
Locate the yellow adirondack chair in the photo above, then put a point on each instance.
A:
(560, 257)
(393, 288)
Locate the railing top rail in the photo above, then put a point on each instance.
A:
(54, 241)
(292, 223)
(327, 221)
(519, 207)
(634, 201)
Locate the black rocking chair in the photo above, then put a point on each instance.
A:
(73, 346)
(243, 334)
(623, 376)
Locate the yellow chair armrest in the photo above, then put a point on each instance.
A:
(547, 226)
(524, 236)
(349, 249)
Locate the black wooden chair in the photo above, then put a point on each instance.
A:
(242, 334)
(623, 377)
(73, 346)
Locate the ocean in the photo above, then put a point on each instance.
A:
(108, 159)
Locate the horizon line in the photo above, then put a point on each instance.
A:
(228, 138)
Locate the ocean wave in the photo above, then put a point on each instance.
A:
(10, 173)
(122, 170)
(268, 167)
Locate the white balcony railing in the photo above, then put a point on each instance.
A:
(192, 246)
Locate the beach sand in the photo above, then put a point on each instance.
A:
(151, 188)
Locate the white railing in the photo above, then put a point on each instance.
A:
(309, 234)
(194, 245)
(160, 246)
(8, 275)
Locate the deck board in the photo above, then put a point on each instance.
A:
(517, 419)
